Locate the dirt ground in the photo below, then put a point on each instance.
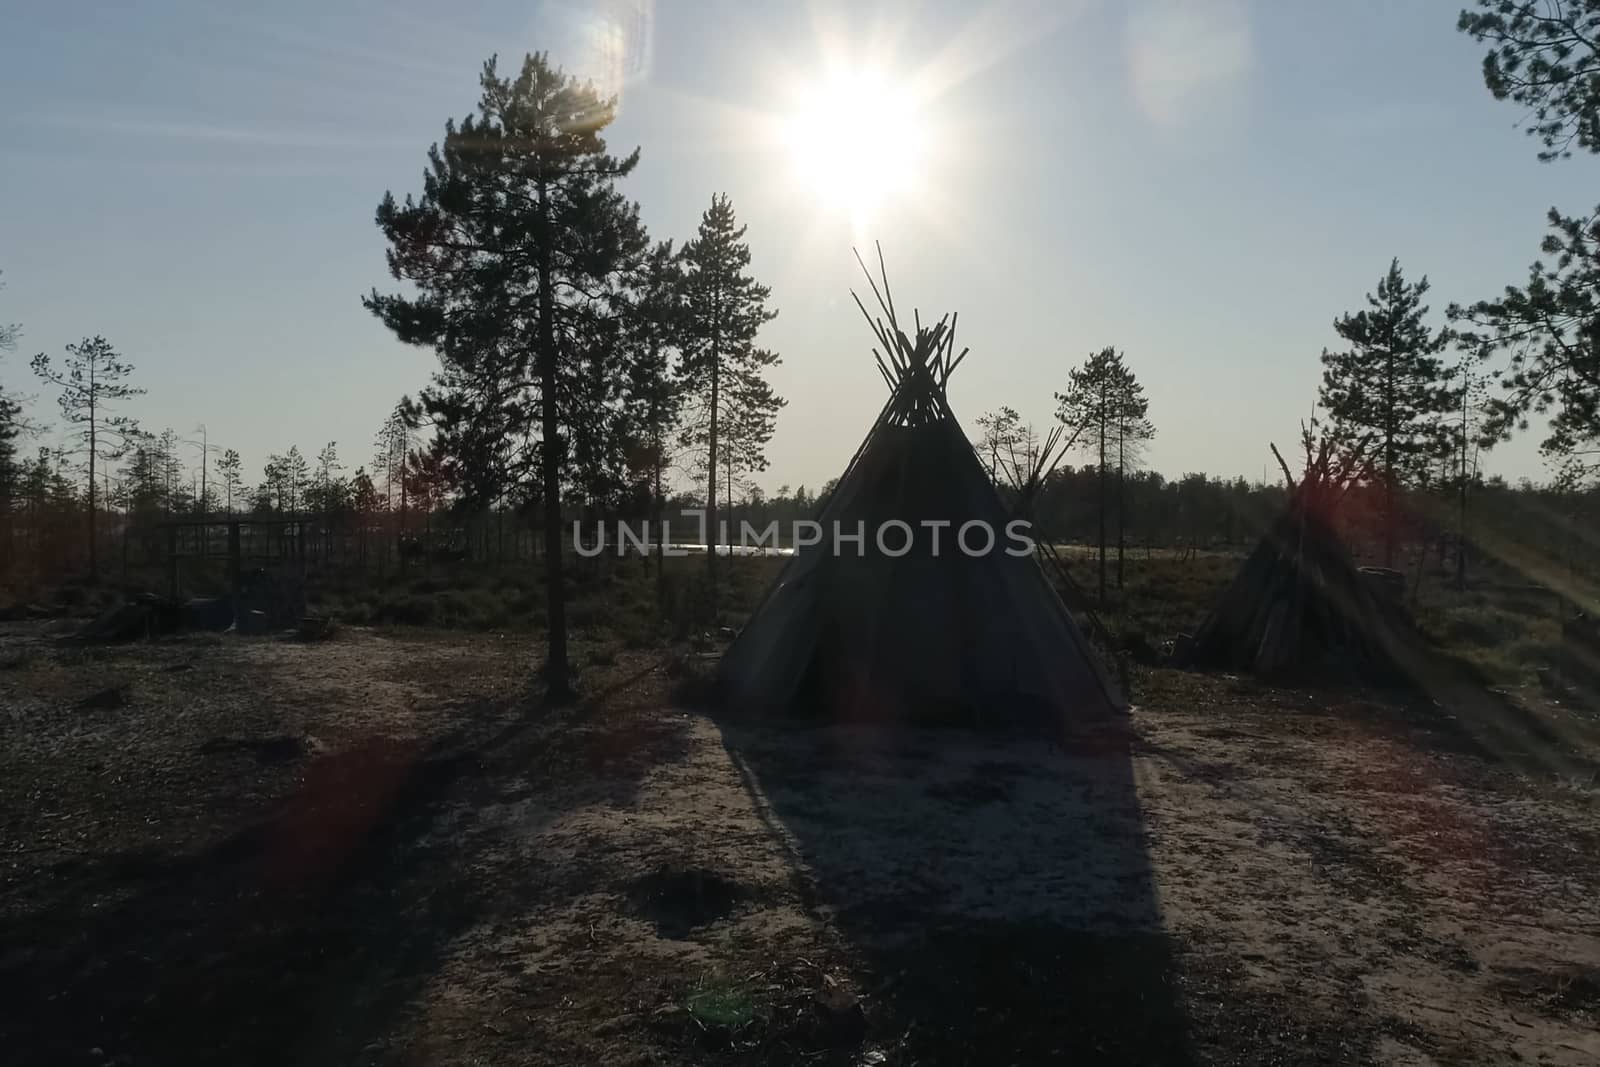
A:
(379, 849)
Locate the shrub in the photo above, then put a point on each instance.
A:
(1481, 628)
(405, 611)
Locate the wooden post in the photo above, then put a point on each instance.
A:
(235, 571)
(172, 562)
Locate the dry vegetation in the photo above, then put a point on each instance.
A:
(379, 849)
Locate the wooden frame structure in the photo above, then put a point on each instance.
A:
(233, 550)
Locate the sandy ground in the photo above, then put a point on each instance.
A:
(378, 850)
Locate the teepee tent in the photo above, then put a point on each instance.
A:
(905, 623)
(1300, 603)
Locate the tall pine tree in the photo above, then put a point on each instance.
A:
(11, 427)
(228, 469)
(515, 247)
(749, 418)
(1549, 334)
(92, 380)
(654, 394)
(1391, 386)
(724, 309)
(1000, 431)
(1544, 55)
(1101, 396)
(1132, 428)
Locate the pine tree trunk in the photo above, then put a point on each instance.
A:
(656, 507)
(94, 546)
(1389, 538)
(1122, 499)
(1101, 473)
(711, 460)
(557, 674)
(1389, 430)
(1461, 519)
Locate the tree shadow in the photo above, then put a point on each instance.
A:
(1447, 703)
(996, 892)
(1466, 704)
(301, 938)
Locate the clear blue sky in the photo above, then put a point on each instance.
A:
(1205, 185)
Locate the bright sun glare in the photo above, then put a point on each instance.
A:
(857, 140)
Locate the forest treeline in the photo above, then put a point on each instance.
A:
(590, 370)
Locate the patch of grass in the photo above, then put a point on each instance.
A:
(1161, 596)
(1503, 630)
(729, 1007)
(1479, 627)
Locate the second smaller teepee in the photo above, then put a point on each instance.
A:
(1299, 603)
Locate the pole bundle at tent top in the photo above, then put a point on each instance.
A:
(1329, 472)
(918, 370)
(1027, 473)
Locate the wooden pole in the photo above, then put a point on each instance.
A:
(172, 562)
(235, 571)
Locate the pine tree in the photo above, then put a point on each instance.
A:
(724, 309)
(328, 490)
(395, 440)
(1543, 57)
(296, 473)
(10, 472)
(203, 502)
(143, 482)
(1094, 405)
(750, 416)
(10, 332)
(1391, 385)
(11, 428)
(515, 247)
(170, 467)
(998, 435)
(364, 498)
(365, 502)
(1549, 333)
(1466, 428)
(599, 428)
(93, 379)
(654, 396)
(229, 470)
(272, 495)
(1132, 429)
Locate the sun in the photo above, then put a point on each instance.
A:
(857, 140)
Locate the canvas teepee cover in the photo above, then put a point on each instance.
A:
(874, 632)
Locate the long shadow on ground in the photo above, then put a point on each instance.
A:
(996, 892)
(300, 939)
